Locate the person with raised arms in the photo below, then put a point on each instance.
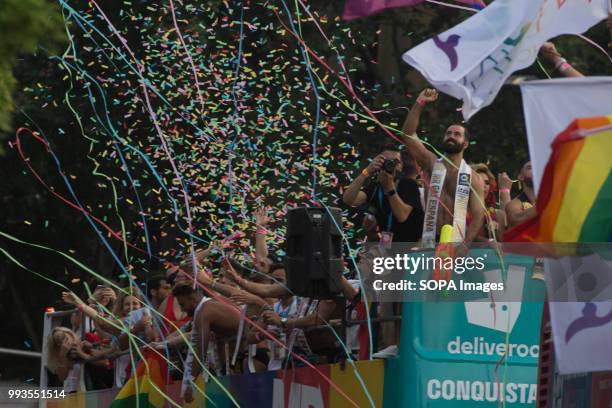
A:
(451, 183)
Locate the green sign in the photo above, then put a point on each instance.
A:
(471, 354)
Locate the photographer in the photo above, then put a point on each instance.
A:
(385, 192)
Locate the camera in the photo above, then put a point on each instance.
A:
(389, 165)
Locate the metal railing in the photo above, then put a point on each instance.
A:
(20, 353)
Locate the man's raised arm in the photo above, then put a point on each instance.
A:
(424, 157)
(353, 196)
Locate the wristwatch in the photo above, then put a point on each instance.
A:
(390, 193)
(284, 322)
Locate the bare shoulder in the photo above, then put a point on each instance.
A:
(477, 182)
(513, 205)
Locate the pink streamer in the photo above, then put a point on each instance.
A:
(188, 54)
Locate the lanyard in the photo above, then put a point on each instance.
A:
(284, 313)
(380, 205)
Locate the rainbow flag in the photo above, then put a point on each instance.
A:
(575, 198)
(151, 378)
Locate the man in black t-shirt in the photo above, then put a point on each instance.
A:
(391, 195)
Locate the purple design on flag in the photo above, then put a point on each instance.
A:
(362, 8)
(588, 320)
(448, 47)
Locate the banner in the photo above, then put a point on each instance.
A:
(301, 387)
(472, 60)
(550, 105)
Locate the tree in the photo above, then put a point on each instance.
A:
(26, 24)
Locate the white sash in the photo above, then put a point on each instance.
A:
(277, 352)
(187, 365)
(240, 331)
(297, 335)
(462, 196)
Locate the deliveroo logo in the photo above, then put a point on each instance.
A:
(500, 314)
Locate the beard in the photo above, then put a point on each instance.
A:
(450, 147)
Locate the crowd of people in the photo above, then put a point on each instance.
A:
(240, 321)
(212, 315)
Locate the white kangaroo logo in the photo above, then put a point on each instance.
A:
(499, 313)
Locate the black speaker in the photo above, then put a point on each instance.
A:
(313, 247)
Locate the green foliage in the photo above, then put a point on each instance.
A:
(25, 25)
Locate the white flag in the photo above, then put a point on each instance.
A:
(580, 294)
(550, 105)
(472, 60)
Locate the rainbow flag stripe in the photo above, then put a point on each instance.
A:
(146, 390)
(575, 199)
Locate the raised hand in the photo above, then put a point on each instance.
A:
(261, 217)
(549, 52)
(271, 318)
(376, 164)
(386, 180)
(71, 299)
(428, 95)
(504, 181)
(247, 298)
(144, 322)
(204, 278)
(229, 270)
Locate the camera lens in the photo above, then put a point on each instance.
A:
(389, 165)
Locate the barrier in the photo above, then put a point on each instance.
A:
(301, 387)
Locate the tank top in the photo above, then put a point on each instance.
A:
(525, 203)
(167, 327)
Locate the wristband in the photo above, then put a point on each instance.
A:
(261, 231)
(391, 193)
(564, 67)
(421, 101)
(365, 172)
(504, 190)
(560, 63)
